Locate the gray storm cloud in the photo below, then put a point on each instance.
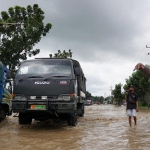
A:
(104, 35)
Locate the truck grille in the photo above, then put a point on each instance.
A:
(40, 97)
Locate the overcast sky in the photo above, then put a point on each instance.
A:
(108, 37)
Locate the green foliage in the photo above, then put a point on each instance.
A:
(108, 99)
(21, 28)
(98, 99)
(117, 91)
(118, 96)
(101, 99)
(63, 54)
(88, 94)
(140, 82)
(142, 86)
(144, 103)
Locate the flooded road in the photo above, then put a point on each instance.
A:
(102, 127)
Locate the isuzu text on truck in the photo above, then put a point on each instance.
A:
(49, 88)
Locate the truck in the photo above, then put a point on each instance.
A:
(5, 92)
(49, 88)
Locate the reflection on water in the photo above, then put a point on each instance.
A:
(102, 127)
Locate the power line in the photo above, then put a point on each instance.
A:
(141, 57)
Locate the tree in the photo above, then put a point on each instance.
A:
(63, 54)
(108, 99)
(20, 29)
(88, 94)
(141, 84)
(101, 99)
(118, 96)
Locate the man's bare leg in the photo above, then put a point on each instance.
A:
(130, 120)
(134, 119)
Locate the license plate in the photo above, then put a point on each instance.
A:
(38, 107)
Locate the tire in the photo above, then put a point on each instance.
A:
(2, 113)
(72, 120)
(24, 118)
(81, 115)
(82, 109)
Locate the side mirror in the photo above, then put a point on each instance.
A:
(78, 71)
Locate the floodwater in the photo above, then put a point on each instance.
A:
(102, 127)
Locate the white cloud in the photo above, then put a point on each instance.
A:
(108, 37)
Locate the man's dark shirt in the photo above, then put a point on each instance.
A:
(131, 100)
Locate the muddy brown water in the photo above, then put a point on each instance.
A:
(102, 127)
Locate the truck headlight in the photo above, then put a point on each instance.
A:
(64, 97)
(44, 97)
(20, 97)
(32, 97)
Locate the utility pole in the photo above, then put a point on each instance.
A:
(111, 90)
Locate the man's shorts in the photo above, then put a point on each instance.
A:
(131, 112)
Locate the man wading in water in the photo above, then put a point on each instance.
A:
(146, 71)
(132, 104)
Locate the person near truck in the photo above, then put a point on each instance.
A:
(132, 105)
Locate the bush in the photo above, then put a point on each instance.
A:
(142, 104)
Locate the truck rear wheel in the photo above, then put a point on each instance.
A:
(24, 118)
(72, 120)
(2, 114)
(81, 108)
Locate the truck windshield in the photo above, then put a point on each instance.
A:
(50, 67)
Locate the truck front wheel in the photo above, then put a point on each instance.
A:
(72, 119)
(25, 118)
(2, 113)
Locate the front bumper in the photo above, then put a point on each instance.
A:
(59, 106)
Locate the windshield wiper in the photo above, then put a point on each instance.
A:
(34, 76)
(58, 76)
